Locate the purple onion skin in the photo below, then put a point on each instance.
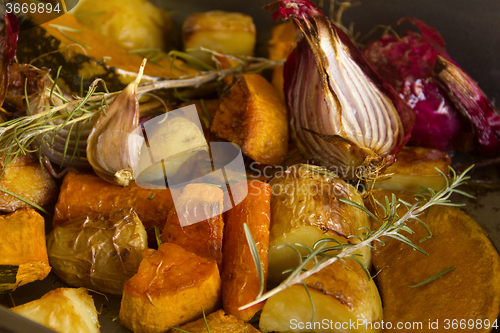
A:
(445, 119)
(305, 8)
(8, 47)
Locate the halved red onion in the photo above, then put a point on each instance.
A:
(341, 116)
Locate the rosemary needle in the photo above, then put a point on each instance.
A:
(434, 277)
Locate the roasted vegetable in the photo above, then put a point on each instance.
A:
(459, 243)
(8, 46)
(99, 252)
(218, 322)
(170, 289)
(342, 114)
(342, 294)
(280, 45)
(229, 33)
(65, 310)
(135, 24)
(22, 245)
(93, 56)
(452, 113)
(305, 208)
(26, 177)
(240, 280)
(174, 138)
(111, 149)
(252, 115)
(414, 169)
(84, 194)
(196, 222)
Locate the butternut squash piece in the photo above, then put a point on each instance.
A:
(84, 194)
(342, 294)
(105, 58)
(65, 310)
(240, 281)
(279, 47)
(229, 33)
(471, 291)
(170, 288)
(26, 177)
(204, 238)
(22, 245)
(415, 168)
(218, 322)
(252, 115)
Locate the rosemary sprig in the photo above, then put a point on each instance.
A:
(434, 277)
(256, 257)
(29, 202)
(391, 226)
(45, 125)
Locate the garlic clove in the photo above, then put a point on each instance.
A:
(110, 151)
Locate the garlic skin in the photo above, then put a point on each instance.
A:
(110, 151)
(340, 116)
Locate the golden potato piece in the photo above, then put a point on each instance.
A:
(305, 208)
(280, 45)
(134, 24)
(23, 251)
(471, 291)
(203, 238)
(252, 115)
(218, 322)
(99, 252)
(25, 177)
(170, 288)
(416, 167)
(229, 33)
(342, 294)
(65, 310)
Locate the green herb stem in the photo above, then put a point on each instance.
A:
(434, 277)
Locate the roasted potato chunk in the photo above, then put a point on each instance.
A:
(240, 281)
(65, 310)
(204, 238)
(84, 194)
(229, 33)
(218, 322)
(469, 291)
(252, 115)
(170, 288)
(280, 45)
(415, 168)
(99, 252)
(342, 294)
(134, 24)
(25, 177)
(305, 208)
(23, 251)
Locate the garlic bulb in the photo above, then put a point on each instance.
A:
(110, 151)
(341, 117)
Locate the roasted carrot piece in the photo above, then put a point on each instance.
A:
(84, 194)
(203, 238)
(240, 281)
